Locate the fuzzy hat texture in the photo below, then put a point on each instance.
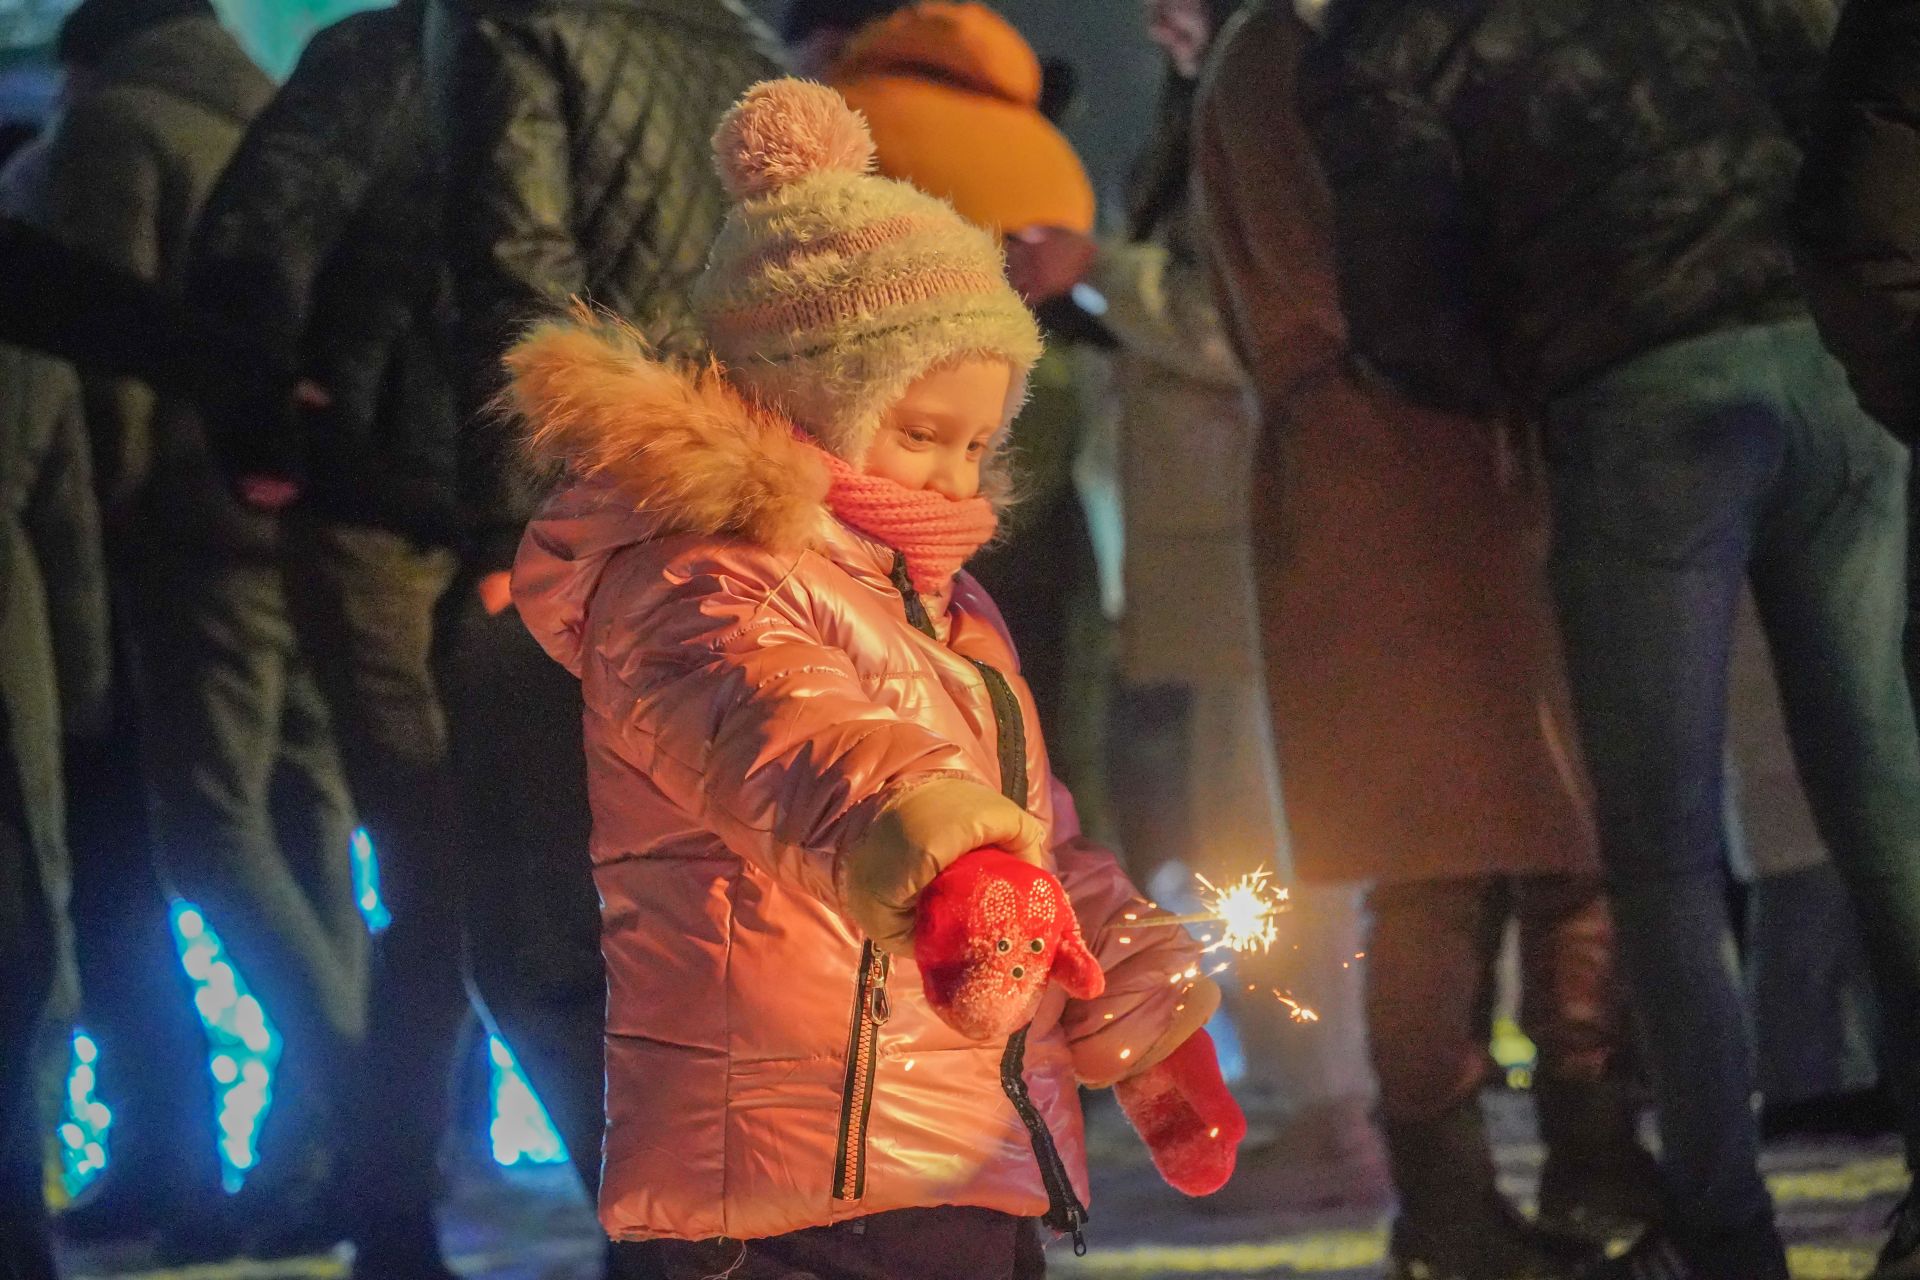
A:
(830, 290)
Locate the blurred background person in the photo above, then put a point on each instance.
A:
(1422, 713)
(54, 684)
(251, 819)
(321, 239)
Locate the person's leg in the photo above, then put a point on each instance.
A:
(28, 942)
(136, 1002)
(1598, 1180)
(1149, 771)
(363, 603)
(952, 1242)
(1830, 579)
(1430, 966)
(532, 914)
(1655, 472)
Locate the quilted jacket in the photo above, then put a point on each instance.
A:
(758, 683)
(577, 135)
(1531, 191)
(320, 239)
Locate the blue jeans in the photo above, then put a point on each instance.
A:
(1677, 478)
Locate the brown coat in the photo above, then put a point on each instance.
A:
(1413, 664)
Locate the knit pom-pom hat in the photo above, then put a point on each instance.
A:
(830, 290)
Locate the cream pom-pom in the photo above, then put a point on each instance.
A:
(786, 130)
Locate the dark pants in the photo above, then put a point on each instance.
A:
(29, 944)
(1430, 985)
(250, 809)
(1677, 478)
(136, 1002)
(363, 602)
(949, 1243)
(532, 914)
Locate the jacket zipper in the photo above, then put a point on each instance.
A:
(870, 1012)
(1065, 1213)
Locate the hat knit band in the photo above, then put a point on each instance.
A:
(833, 308)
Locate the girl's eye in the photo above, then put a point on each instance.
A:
(976, 450)
(1003, 946)
(919, 436)
(1036, 946)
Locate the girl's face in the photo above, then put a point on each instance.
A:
(939, 433)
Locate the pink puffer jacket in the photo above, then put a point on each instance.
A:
(754, 694)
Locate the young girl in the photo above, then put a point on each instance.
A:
(799, 714)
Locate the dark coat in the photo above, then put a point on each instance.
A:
(1413, 664)
(53, 631)
(321, 237)
(577, 135)
(1860, 208)
(131, 162)
(1532, 191)
(65, 302)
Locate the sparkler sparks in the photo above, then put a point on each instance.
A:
(1295, 1010)
(1245, 911)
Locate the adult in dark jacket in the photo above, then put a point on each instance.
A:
(320, 239)
(250, 811)
(53, 629)
(577, 135)
(1859, 223)
(1576, 208)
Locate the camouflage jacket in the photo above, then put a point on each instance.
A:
(1531, 191)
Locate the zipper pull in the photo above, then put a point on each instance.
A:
(1079, 1239)
(879, 1007)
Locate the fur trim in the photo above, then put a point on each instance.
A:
(679, 441)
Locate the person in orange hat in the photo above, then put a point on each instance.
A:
(953, 95)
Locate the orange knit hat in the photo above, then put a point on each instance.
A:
(952, 94)
(830, 290)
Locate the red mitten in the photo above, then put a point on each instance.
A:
(989, 932)
(1183, 1112)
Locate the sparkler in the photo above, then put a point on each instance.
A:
(1244, 910)
(1295, 1010)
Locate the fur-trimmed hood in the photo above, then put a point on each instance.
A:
(675, 441)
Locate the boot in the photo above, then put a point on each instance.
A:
(1900, 1259)
(1599, 1183)
(1751, 1254)
(1454, 1224)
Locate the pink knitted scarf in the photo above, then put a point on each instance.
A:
(937, 534)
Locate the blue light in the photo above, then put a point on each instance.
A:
(84, 1120)
(366, 883)
(521, 1131)
(243, 1046)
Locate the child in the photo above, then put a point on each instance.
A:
(799, 713)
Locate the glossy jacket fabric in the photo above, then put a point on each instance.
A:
(1532, 191)
(1412, 657)
(754, 695)
(576, 139)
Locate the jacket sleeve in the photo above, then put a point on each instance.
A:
(510, 241)
(1160, 305)
(63, 523)
(105, 185)
(725, 694)
(1859, 210)
(1158, 992)
(1403, 235)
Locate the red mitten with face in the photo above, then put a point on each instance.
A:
(989, 932)
(1183, 1112)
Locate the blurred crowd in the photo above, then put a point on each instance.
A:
(1403, 452)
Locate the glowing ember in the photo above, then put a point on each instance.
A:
(1295, 1010)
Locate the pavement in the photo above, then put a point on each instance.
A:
(1834, 1195)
